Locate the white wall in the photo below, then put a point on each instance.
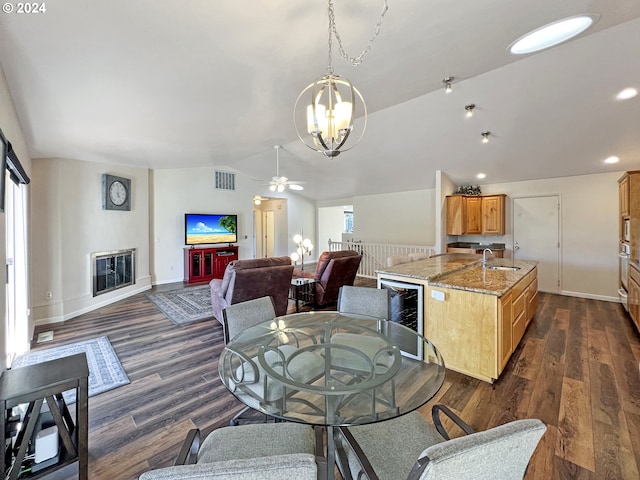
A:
(404, 218)
(330, 225)
(68, 224)
(12, 130)
(179, 191)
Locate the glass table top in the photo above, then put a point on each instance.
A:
(328, 368)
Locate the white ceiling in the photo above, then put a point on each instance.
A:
(165, 84)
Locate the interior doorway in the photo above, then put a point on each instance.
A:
(536, 236)
(270, 227)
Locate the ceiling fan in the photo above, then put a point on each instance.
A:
(278, 183)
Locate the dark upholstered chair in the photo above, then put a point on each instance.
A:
(249, 279)
(249, 452)
(334, 270)
(422, 452)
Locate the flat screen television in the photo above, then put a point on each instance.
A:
(208, 228)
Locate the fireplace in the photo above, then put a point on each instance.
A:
(112, 270)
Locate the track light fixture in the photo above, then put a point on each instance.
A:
(485, 136)
(469, 108)
(447, 84)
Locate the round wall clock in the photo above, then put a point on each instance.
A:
(116, 192)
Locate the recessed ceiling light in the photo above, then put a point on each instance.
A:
(612, 159)
(553, 34)
(481, 176)
(627, 93)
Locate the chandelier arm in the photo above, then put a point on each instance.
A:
(355, 61)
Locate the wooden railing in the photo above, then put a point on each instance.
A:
(374, 255)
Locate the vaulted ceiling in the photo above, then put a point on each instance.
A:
(166, 84)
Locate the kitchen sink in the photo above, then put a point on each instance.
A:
(502, 267)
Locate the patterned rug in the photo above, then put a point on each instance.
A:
(184, 305)
(105, 370)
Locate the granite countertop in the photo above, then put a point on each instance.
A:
(474, 278)
(463, 271)
(433, 266)
(477, 245)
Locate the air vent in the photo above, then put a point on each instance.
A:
(225, 181)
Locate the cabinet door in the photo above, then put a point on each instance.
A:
(456, 215)
(519, 311)
(624, 196)
(196, 263)
(505, 347)
(493, 215)
(532, 300)
(633, 298)
(474, 215)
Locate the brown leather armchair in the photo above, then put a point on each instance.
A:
(249, 279)
(334, 270)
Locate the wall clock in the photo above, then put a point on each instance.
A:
(116, 192)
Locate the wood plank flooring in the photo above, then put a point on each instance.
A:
(577, 369)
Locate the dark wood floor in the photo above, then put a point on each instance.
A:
(577, 369)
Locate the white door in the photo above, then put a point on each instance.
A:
(536, 236)
(269, 231)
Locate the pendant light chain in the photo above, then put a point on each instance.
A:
(355, 61)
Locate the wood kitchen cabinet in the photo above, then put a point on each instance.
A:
(624, 196)
(634, 294)
(475, 214)
(493, 215)
(477, 333)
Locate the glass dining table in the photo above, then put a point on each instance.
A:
(331, 369)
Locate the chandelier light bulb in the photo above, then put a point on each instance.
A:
(297, 238)
(294, 256)
(469, 108)
(485, 137)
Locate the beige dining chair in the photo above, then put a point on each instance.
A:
(235, 319)
(422, 452)
(241, 316)
(372, 302)
(271, 451)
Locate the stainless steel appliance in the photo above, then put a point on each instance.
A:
(405, 302)
(624, 255)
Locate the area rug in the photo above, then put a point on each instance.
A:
(105, 370)
(184, 305)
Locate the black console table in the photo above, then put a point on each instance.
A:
(32, 385)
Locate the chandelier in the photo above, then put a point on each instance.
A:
(324, 119)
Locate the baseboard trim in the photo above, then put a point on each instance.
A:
(121, 295)
(590, 296)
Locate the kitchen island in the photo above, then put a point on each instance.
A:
(474, 315)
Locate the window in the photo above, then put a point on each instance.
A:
(348, 222)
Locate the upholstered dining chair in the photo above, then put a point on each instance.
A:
(270, 451)
(237, 318)
(373, 302)
(422, 452)
(240, 316)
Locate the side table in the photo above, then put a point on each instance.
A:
(302, 290)
(33, 385)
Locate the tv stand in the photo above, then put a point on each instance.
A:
(201, 264)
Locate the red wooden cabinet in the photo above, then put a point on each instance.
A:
(201, 264)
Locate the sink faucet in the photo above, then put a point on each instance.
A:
(484, 256)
